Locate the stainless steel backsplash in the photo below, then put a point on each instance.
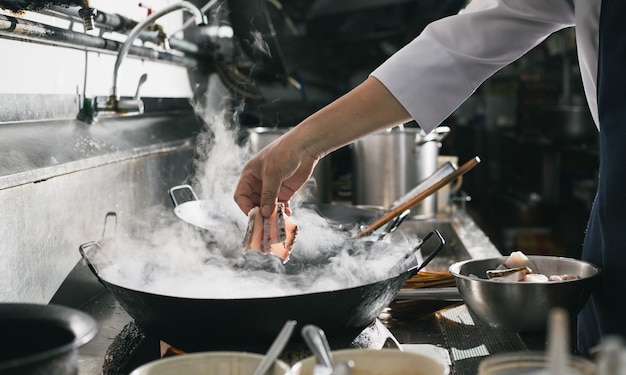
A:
(59, 179)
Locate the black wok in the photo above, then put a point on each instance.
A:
(196, 324)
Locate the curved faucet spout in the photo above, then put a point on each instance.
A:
(199, 16)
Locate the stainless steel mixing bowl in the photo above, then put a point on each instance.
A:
(523, 306)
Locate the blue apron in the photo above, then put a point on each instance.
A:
(605, 240)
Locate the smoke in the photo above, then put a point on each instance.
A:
(164, 254)
(176, 259)
(259, 44)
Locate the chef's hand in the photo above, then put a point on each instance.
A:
(281, 168)
(275, 174)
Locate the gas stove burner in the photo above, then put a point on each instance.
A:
(133, 347)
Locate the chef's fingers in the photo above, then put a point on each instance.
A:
(248, 190)
(281, 184)
(271, 185)
(245, 195)
(287, 208)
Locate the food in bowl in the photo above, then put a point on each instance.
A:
(523, 306)
(517, 267)
(210, 363)
(380, 362)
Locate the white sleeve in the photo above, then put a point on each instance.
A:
(433, 74)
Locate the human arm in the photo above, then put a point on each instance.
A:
(278, 171)
(437, 71)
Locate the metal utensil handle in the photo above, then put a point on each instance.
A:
(316, 340)
(430, 257)
(181, 187)
(394, 224)
(432, 294)
(343, 368)
(276, 348)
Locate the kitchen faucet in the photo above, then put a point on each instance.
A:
(113, 103)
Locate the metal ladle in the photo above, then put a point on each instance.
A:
(315, 339)
(276, 348)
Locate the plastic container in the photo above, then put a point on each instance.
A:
(534, 363)
(379, 362)
(209, 363)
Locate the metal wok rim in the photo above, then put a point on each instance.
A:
(285, 296)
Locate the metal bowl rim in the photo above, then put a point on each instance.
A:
(455, 269)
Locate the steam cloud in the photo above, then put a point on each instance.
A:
(163, 254)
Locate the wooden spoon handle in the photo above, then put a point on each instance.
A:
(419, 197)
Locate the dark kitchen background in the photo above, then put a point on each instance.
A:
(529, 123)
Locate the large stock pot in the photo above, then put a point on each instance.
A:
(388, 164)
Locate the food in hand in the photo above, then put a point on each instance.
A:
(275, 234)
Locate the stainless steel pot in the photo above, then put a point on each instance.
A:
(318, 188)
(388, 164)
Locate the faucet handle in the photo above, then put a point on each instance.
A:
(124, 106)
(112, 104)
(142, 80)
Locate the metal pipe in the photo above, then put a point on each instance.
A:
(87, 14)
(117, 23)
(20, 29)
(134, 33)
(108, 21)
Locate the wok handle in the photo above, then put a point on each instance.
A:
(430, 234)
(110, 219)
(182, 187)
(83, 253)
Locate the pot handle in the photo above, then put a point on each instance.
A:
(437, 135)
(182, 187)
(430, 257)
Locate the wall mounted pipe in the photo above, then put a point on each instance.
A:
(199, 16)
(21, 29)
(109, 21)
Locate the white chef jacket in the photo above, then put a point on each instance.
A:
(445, 64)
